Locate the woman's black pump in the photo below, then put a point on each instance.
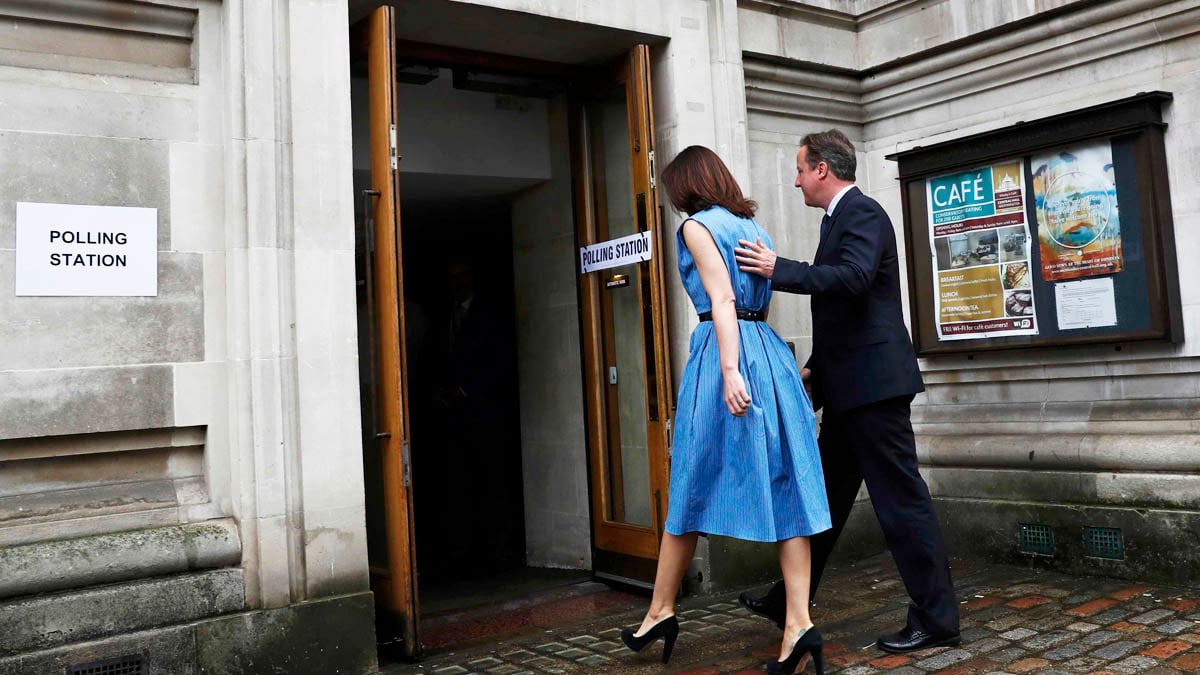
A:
(667, 629)
(809, 642)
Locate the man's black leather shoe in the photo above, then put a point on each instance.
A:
(762, 608)
(912, 639)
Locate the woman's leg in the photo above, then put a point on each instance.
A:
(673, 558)
(796, 560)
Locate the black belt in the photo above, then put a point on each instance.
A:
(742, 315)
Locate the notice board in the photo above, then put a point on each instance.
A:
(1056, 231)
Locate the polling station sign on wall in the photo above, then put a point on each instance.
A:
(80, 250)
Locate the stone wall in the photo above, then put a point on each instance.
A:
(1086, 436)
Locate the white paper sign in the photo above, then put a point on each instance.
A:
(1086, 304)
(77, 250)
(615, 252)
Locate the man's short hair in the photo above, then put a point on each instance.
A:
(833, 148)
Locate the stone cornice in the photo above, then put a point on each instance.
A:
(777, 85)
(164, 20)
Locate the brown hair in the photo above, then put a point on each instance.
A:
(697, 179)
(833, 148)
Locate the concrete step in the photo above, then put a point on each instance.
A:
(54, 619)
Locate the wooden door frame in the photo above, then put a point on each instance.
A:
(397, 604)
(616, 539)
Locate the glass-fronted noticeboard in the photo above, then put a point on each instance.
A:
(1051, 232)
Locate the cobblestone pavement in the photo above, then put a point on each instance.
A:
(1014, 619)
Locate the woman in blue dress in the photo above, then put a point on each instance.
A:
(745, 462)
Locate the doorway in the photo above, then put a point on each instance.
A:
(498, 446)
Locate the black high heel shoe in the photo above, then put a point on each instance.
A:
(667, 629)
(809, 642)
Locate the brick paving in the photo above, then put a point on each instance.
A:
(1014, 619)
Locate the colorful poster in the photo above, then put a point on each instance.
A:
(1079, 231)
(981, 253)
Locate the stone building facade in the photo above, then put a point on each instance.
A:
(182, 477)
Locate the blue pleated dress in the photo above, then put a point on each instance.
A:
(756, 477)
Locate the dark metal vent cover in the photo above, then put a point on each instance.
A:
(1036, 538)
(134, 664)
(1104, 542)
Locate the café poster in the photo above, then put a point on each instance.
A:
(981, 248)
(1079, 231)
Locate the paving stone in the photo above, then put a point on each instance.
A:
(506, 669)
(1018, 634)
(517, 655)
(572, 653)
(541, 662)
(1175, 627)
(973, 634)
(723, 606)
(1100, 637)
(1067, 651)
(1116, 650)
(450, 670)
(1084, 664)
(595, 660)
(583, 640)
(1152, 616)
(1028, 665)
(1133, 664)
(1166, 649)
(552, 647)
(1110, 616)
(1004, 622)
(695, 614)
(945, 659)
(855, 670)
(1007, 655)
(905, 670)
(606, 647)
(1047, 640)
(1082, 627)
(986, 645)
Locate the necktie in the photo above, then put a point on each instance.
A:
(825, 226)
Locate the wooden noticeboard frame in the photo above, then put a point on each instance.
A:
(1147, 289)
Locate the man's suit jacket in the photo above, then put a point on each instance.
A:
(861, 352)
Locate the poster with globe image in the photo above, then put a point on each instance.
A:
(1079, 228)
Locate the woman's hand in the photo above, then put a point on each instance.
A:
(737, 399)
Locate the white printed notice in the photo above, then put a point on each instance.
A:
(615, 252)
(77, 250)
(1086, 304)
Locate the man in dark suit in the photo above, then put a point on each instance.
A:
(864, 372)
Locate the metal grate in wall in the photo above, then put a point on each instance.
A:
(1104, 542)
(134, 664)
(1036, 538)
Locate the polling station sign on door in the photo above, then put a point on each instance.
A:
(628, 250)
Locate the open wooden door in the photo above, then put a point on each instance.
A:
(626, 372)
(386, 427)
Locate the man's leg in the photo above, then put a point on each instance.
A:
(842, 482)
(882, 437)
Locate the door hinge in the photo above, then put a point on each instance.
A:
(406, 462)
(612, 374)
(652, 181)
(392, 142)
